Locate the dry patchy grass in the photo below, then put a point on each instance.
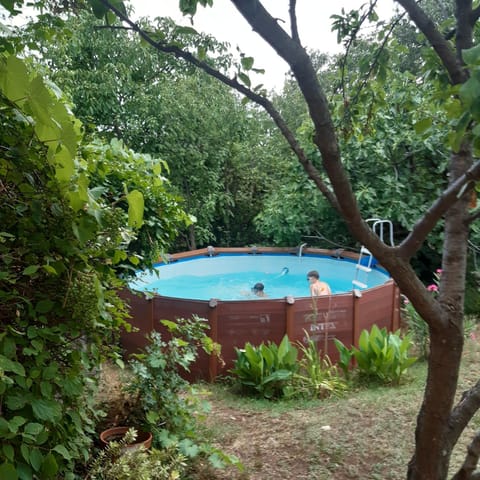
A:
(368, 434)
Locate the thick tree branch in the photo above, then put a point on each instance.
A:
(325, 138)
(466, 471)
(293, 21)
(475, 15)
(463, 412)
(473, 217)
(425, 225)
(441, 46)
(308, 166)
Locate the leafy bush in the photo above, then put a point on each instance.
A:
(170, 406)
(382, 355)
(165, 397)
(62, 244)
(317, 376)
(267, 369)
(116, 462)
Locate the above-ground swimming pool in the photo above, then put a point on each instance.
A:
(215, 284)
(231, 276)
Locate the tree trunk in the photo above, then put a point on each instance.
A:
(433, 437)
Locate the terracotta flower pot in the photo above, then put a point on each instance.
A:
(117, 433)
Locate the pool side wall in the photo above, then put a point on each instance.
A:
(233, 323)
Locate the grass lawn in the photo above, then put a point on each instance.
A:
(368, 434)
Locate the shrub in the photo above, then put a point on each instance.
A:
(382, 355)
(267, 369)
(170, 407)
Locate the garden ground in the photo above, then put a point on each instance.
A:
(368, 434)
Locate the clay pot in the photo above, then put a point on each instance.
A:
(117, 433)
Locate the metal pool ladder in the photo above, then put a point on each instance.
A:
(364, 267)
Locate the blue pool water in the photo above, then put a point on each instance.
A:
(231, 276)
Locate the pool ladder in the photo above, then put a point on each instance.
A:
(364, 267)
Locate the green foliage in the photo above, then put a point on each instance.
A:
(267, 369)
(61, 245)
(48, 343)
(170, 406)
(158, 106)
(116, 462)
(469, 94)
(346, 354)
(317, 376)
(419, 331)
(382, 355)
(158, 385)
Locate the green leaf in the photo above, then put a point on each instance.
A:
(98, 8)
(46, 410)
(36, 459)
(62, 451)
(201, 53)
(8, 365)
(31, 269)
(9, 452)
(33, 428)
(188, 448)
(8, 472)
(135, 208)
(44, 306)
(49, 467)
(247, 63)
(185, 30)
(14, 80)
(472, 55)
(470, 90)
(64, 164)
(423, 125)
(245, 79)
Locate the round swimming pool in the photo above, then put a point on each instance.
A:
(231, 276)
(215, 284)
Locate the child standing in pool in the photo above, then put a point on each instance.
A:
(317, 288)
